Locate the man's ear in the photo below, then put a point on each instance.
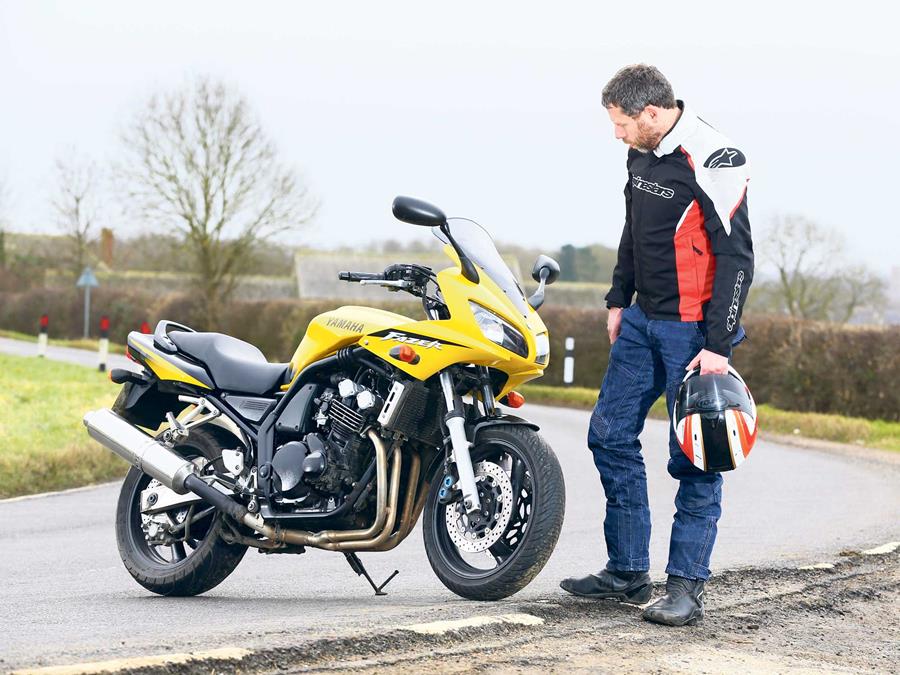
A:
(652, 112)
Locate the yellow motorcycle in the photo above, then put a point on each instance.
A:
(376, 419)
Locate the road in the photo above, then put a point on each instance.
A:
(66, 597)
(82, 357)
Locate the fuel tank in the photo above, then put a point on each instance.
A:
(341, 327)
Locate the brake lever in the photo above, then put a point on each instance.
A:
(398, 283)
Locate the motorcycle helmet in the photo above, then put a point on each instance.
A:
(715, 420)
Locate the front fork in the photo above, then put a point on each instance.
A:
(459, 444)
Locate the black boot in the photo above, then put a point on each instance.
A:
(633, 587)
(682, 604)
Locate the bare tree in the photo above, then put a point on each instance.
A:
(859, 288)
(812, 279)
(75, 204)
(203, 167)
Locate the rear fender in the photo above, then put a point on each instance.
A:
(144, 405)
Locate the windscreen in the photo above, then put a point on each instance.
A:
(477, 244)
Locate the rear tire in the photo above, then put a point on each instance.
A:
(203, 567)
(518, 564)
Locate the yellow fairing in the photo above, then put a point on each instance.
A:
(443, 343)
(340, 328)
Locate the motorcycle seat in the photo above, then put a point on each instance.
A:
(235, 365)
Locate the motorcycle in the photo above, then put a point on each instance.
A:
(376, 419)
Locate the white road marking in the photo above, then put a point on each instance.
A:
(441, 627)
(889, 547)
(818, 566)
(40, 495)
(115, 665)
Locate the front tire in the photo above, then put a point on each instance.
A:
(530, 533)
(202, 560)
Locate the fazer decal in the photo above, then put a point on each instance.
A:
(414, 339)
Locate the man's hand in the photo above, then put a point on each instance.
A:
(710, 363)
(614, 323)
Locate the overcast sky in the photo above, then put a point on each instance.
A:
(489, 109)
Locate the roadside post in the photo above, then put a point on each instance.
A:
(87, 281)
(569, 362)
(42, 335)
(104, 342)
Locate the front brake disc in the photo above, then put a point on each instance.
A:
(496, 495)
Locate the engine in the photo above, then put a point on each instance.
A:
(322, 453)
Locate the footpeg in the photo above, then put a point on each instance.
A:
(357, 566)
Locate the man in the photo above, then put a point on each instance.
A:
(686, 250)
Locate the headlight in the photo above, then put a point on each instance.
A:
(542, 348)
(499, 331)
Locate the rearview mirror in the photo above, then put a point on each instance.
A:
(545, 271)
(416, 212)
(545, 262)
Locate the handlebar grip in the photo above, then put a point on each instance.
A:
(359, 276)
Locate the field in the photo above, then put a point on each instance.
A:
(44, 445)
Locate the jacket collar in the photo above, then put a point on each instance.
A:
(684, 127)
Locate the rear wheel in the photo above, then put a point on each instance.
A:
(179, 551)
(522, 493)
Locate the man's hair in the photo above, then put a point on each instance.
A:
(635, 87)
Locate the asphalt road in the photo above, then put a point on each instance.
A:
(65, 596)
(82, 357)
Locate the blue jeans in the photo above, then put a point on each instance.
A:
(648, 358)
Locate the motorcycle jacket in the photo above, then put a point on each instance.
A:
(686, 247)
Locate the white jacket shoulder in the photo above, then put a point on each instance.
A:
(720, 168)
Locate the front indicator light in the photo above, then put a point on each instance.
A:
(405, 353)
(513, 399)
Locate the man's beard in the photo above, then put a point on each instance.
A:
(647, 139)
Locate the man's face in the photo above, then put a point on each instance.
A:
(639, 132)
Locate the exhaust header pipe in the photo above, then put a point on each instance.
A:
(139, 449)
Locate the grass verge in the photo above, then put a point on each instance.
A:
(872, 433)
(43, 443)
(89, 344)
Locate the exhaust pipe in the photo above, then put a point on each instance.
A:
(139, 449)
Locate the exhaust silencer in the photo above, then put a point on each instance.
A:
(139, 449)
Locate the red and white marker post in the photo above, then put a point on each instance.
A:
(569, 362)
(42, 335)
(104, 342)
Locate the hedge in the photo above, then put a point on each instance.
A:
(790, 364)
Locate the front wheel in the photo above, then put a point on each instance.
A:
(523, 500)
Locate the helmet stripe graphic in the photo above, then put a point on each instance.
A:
(686, 442)
(735, 440)
(696, 440)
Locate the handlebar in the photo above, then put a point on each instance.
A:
(360, 276)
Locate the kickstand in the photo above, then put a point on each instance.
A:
(357, 566)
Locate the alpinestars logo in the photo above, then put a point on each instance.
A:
(652, 188)
(735, 302)
(408, 339)
(725, 157)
